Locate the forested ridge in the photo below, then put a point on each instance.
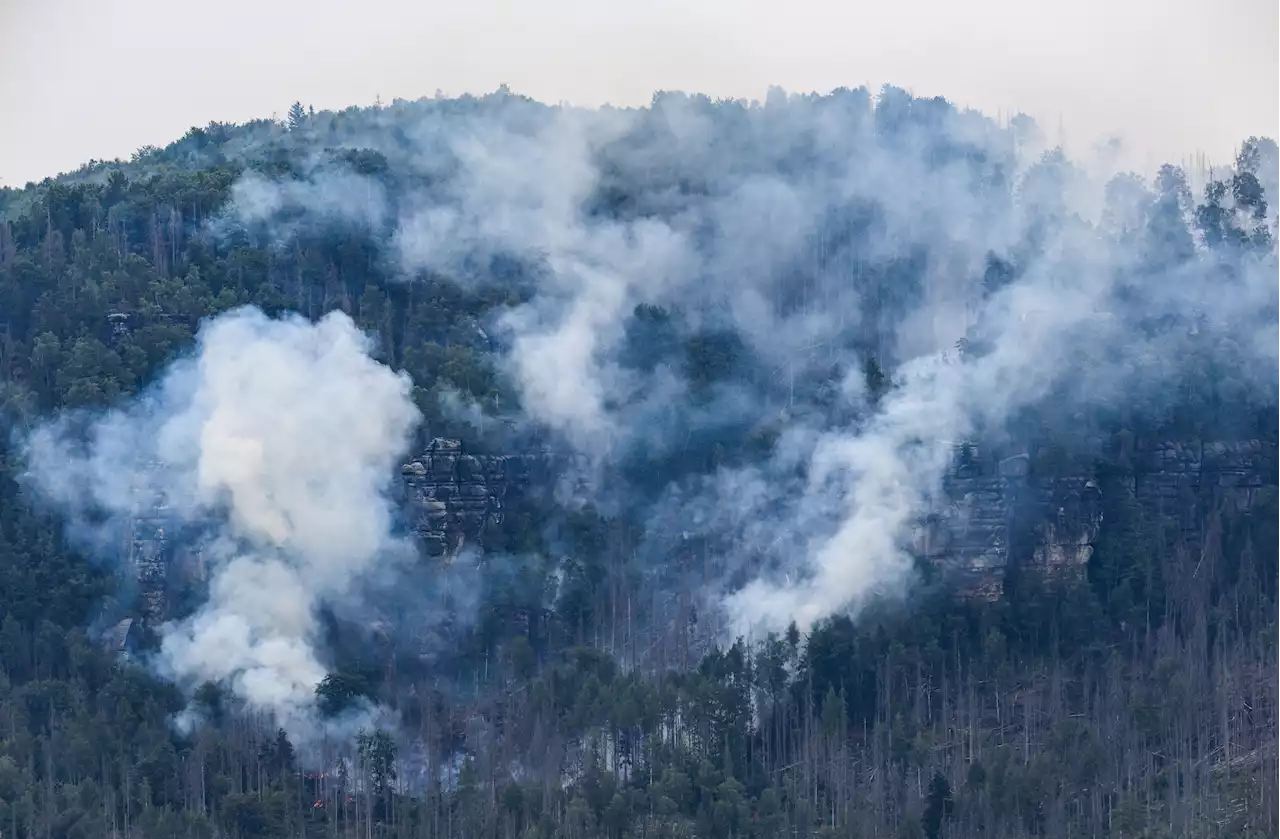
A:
(1135, 698)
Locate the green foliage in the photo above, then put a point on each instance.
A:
(338, 692)
(1133, 697)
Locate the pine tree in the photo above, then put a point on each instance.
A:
(297, 116)
(938, 805)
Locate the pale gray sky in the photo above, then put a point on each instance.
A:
(82, 79)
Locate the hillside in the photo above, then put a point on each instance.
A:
(834, 466)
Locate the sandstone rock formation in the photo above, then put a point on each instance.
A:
(995, 509)
(451, 496)
(972, 536)
(1060, 515)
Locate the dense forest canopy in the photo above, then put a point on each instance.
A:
(763, 344)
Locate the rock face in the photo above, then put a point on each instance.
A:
(992, 505)
(150, 558)
(1056, 519)
(159, 559)
(452, 497)
(1178, 480)
(994, 510)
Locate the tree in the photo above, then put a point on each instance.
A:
(378, 754)
(1169, 242)
(1251, 202)
(938, 806)
(339, 691)
(297, 116)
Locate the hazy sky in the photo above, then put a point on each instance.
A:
(81, 79)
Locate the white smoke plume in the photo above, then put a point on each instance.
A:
(823, 232)
(282, 435)
(523, 192)
(889, 473)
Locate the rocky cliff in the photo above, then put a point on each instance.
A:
(1010, 508)
(452, 497)
(161, 559)
(997, 509)
(1183, 481)
(993, 505)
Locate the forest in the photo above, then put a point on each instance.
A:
(757, 333)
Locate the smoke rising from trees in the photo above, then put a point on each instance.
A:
(821, 234)
(865, 283)
(281, 435)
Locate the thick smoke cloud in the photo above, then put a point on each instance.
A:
(279, 436)
(724, 227)
(523, 194)
(805, 244)
(888, 473)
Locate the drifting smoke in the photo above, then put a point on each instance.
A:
(282, 436)
(728, 217)
(524, 194)
(804, 240)
(345, 198)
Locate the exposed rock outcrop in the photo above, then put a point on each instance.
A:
(1059, 517)
(160, 561)
(995, 510)
(451, 496)
(972, 536)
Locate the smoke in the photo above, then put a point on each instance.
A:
(523, 193)
(343, 197)
(888, 473)
(278, 436)
(722, 236)
(716, 270)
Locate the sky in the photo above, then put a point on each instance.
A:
(82, 79)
